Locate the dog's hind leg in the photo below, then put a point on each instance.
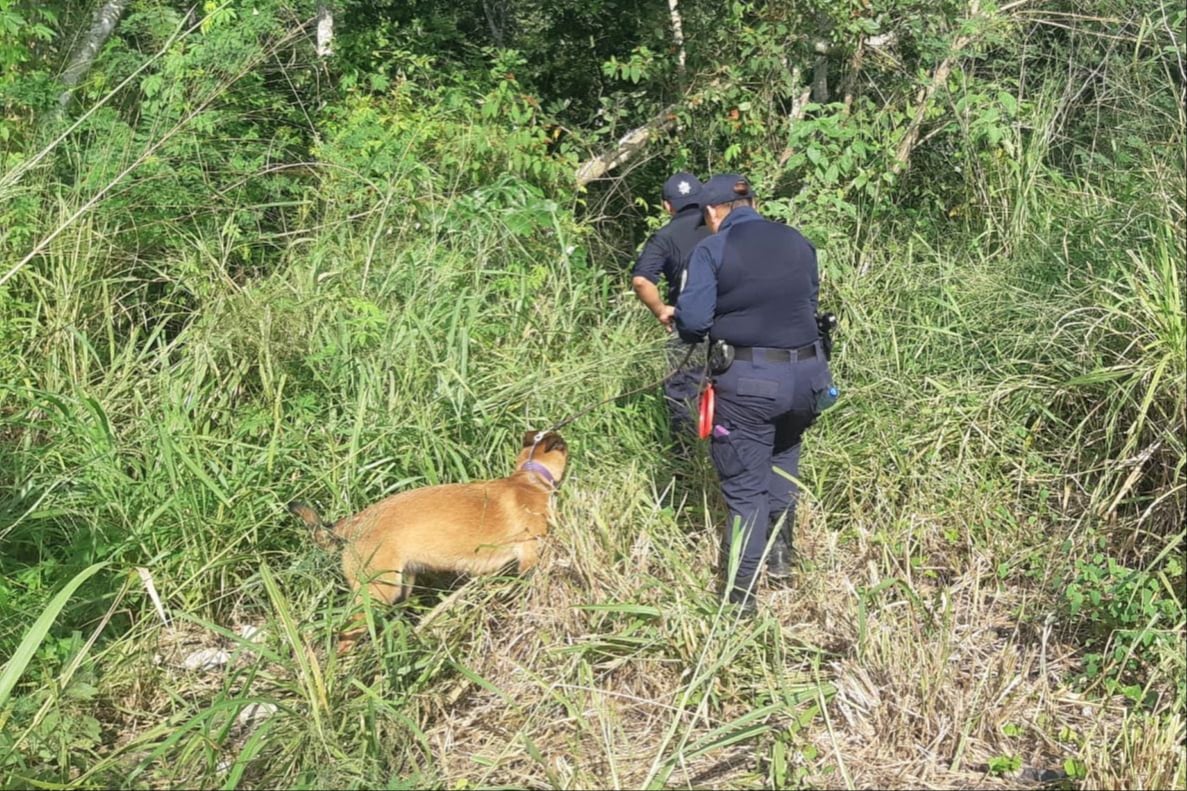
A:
(385, 588)
(407, 580)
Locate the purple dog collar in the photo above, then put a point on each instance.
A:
(541, 470)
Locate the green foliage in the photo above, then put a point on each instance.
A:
(61, 726)
(26, 84)
(63, 730)
(1075, 768)
(1134, 617)
(1003, 765)
(472, 138)
(638, 67)
(250, 275)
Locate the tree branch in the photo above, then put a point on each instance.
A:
(106, 18)
(629, 144)
(634, 141)
(939, 78)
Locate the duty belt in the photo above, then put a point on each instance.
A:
(749, 353)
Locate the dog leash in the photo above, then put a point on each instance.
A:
(577, 415)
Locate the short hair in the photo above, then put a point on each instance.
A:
(741, 188)
(731, 205)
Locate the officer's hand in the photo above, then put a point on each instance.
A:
(666, 316)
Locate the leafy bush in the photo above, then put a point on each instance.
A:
(1135, 618)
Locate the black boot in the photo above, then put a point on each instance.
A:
(744, 600)
(779, 561)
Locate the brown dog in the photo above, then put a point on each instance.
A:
(471, 528)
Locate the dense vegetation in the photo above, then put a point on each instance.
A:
(234, 271)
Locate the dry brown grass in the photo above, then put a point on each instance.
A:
(930, 684)
(611, 666)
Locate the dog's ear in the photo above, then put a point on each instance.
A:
(529, 438)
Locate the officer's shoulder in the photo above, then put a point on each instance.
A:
(686, 221)
(670, 227)
(791, 230)
(663, 235)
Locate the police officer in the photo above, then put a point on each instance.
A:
(753, 286)
(666, 254)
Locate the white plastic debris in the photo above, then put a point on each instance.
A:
(150, 586)
(206, 659)
(255, 713)
(251, 633)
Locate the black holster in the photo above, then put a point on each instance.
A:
(825, 324)
(721, 357)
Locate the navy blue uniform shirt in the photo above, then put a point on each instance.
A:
(666, 252)
(753, 283)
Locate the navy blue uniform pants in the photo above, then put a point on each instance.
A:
(682, 389)
(762, 411)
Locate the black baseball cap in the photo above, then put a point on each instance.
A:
(682, 190)
(724, 188)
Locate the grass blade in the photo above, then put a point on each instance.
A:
(37, 632)
(311, 677)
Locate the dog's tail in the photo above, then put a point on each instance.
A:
(323, 534)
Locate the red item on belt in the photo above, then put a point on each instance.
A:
(705, 422)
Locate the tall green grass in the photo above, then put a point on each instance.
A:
(1013, 410)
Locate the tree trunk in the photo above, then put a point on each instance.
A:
(106, 18)
(799, 106)
(851, 75)
(677, 33)
(824, 29)
(325, 30)
(820, 74)
(493, 20)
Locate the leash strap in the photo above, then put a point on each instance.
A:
(687, 356)
(708, 405)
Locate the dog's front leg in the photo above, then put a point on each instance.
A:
(529, 554)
